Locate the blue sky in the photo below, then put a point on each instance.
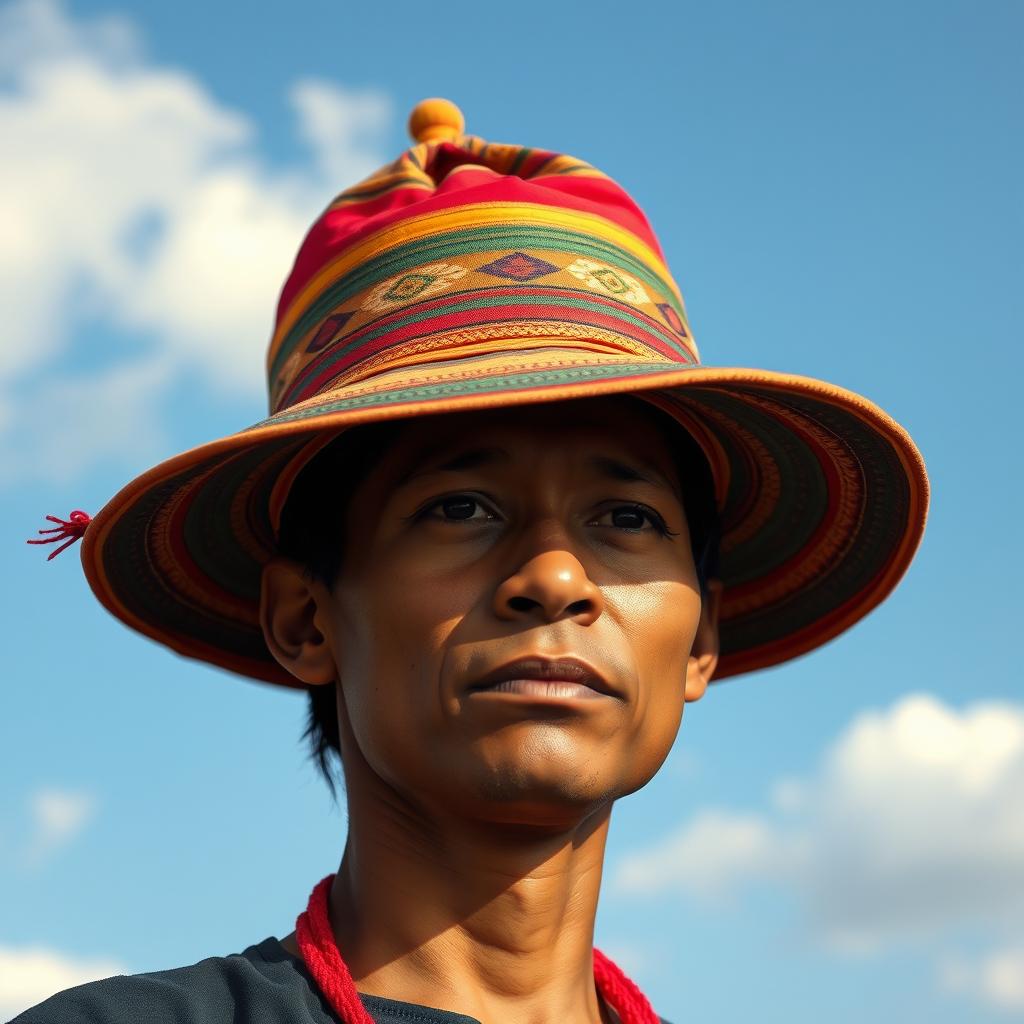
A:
(837, 190)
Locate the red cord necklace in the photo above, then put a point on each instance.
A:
(320, 952)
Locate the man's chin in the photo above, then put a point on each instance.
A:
(549, 799)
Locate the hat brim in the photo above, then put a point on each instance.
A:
(822, 498)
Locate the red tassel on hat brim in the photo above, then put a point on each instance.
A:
(68, 530)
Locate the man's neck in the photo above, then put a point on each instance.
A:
(496, 922)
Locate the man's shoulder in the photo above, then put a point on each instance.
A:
(260, 983)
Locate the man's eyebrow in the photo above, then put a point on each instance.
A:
(636, 470)
(471, 459)
(647, 473)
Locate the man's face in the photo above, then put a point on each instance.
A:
(485, 537)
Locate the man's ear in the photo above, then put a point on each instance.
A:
(292, 609)
(704, 653)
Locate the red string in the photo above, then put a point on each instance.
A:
(322, 957)
(621, 993)
(320, 951)
(68, 530)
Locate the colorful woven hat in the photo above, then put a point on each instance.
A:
(469, 275)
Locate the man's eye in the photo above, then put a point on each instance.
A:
(631, 517)
(458, 508)
(464, 508)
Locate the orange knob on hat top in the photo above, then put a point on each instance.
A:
(436, 120)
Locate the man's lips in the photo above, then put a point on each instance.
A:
(536, 676)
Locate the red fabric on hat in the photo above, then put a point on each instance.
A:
(340, 228)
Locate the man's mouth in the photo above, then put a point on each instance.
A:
(546, 679)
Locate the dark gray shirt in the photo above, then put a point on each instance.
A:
(264, 984)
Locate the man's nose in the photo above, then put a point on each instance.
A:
(553, 584)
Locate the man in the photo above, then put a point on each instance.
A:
(502, 525)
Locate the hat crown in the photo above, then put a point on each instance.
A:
(460, 247)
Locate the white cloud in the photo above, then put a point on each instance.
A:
(30, 975)
(209, 287)
(57, 425)
(919, 821)
(996, 979)
(57, 817)
(340, 126)
(912, 828)
(707, 858)
(132, 199)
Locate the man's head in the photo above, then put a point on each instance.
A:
(553, 530)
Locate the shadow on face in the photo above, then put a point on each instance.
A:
(537, 532)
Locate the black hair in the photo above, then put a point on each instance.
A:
(314, 525)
